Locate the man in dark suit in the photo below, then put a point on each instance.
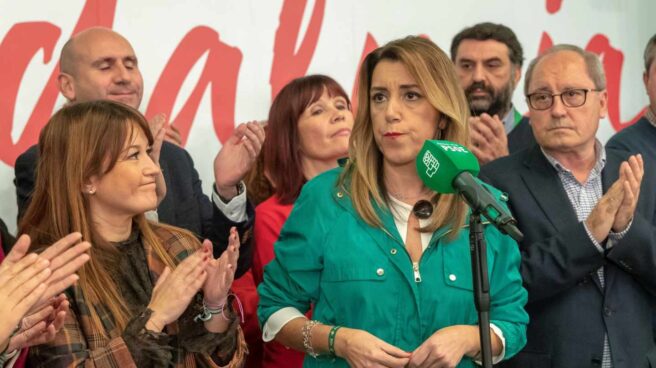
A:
(488, 60)
(589, 248)
(641, 136)
(98, 63)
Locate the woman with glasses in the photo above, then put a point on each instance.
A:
(390, 284)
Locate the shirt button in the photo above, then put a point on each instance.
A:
(393, 251)
(380, 272)
(607, 312)
(452, 277)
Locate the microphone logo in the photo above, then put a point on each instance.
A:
(431, 163)
(453, 147)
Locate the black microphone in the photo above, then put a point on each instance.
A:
(448, 167)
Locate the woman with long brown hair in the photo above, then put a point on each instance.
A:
(390, 285)
(151, 294)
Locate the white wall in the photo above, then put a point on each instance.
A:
(156, 28)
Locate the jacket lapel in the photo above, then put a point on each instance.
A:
(545, 186)
(543, 182)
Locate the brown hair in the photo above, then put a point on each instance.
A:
(282, 157)
(80, 141)
(436, 76)
(258, 186)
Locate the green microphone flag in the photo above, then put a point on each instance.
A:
(439, 162)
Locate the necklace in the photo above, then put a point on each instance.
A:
(423, 209)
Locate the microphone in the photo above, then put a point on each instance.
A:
(447, 167)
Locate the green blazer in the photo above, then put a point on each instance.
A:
(361, 277)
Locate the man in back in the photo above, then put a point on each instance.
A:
(98, 63)
(641, 136)
(488, 60)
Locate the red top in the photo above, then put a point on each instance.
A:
(270, 216)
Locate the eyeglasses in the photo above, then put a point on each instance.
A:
(571, 98)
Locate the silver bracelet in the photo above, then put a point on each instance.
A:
(207, 313)
(307, 337)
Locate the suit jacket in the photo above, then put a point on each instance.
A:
(650, 361)
(569, 310)
(184, 206)
(638, 138)
(521, 137)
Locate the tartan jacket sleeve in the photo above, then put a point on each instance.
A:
(180, 246)
(80, 344)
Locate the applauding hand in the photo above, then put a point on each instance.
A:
(221, 271)
(174, 290)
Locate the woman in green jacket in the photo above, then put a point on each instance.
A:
(391, 283)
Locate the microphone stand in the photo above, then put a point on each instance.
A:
(477, 248)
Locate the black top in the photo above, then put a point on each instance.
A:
(130, 271)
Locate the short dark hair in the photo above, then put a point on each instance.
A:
(282, 157)
(490, 31)
(650, 52)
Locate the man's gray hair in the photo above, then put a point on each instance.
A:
(592, 63)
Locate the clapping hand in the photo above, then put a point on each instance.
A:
(221, 271)
(631, 173)
(175, 289)
(42, 325)
(616, 207)
(29, 281)
(488, 137)
(236, 157)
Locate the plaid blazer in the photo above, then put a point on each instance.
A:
(80, 344)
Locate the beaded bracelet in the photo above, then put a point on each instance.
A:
(307, 337)
(331, 339)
